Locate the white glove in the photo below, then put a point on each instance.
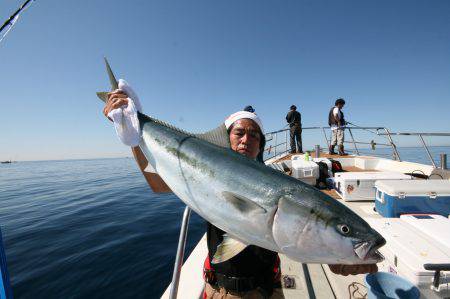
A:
(125, 118)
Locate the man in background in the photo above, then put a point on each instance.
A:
(337, 123)
(295, 123)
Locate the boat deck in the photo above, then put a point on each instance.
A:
(311, 280)
(322, 155)
(325, 283)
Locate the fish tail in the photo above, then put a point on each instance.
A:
(103, 95)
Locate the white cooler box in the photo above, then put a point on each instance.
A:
(306, 171)
(357, 186)
(408, 249)
(435, 226)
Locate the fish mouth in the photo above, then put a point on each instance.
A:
(368, 250)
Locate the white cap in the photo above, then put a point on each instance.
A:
(243, 114)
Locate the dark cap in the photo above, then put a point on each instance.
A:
(293, 107)
(249, 109)
(339, 101)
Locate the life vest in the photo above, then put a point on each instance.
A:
(332, 121)
(253, 267)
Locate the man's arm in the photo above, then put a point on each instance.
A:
(153, 179)
(118, 99)
(288, 117)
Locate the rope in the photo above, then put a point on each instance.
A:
(354, 291)
(368, 130)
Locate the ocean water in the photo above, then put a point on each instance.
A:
(94, 229)
(88, 229)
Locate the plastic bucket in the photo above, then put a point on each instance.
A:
(386, 286)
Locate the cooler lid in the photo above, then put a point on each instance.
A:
(412, 247)
(414, 187)
(435, 226)
(304, 164)
(326, 160)
(371, 175)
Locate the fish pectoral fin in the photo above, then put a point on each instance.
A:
(242, 203)
(227, 249)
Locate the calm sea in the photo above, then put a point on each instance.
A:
(94, 229)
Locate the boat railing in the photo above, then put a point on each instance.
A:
(420, 135)
(277, 142)
(180, 254)
(276, 139)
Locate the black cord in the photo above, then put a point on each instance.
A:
(437, 175)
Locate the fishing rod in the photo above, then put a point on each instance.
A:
(9, 24)
(372, 143)
(364, 129)
(5, 284)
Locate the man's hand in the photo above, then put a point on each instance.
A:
(116, 99)
(353, 269)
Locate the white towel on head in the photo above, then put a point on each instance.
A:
(243, 114)
(125, 118)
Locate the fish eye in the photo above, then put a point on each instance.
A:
(344, 229)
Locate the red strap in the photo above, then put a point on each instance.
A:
(206, 266)
(207, 263)
(276, 269)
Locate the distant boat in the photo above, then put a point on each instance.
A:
(6, 162)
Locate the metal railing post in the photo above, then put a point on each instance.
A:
(443, 161)
(394, 148)
(180, 254)
(428, 152)
(353, 140)
(276, 143)
(317, 149)
(326, 138)
(286, 147)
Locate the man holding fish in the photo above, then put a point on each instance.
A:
(243, 259)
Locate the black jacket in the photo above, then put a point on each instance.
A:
(253, 261)
(294, 118)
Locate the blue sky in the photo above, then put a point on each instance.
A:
(195, 62)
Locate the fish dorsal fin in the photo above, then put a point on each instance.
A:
(242, 203)
(219, 136)
(227, 249)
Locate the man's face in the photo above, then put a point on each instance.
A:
(340, 106)
(245, 137)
